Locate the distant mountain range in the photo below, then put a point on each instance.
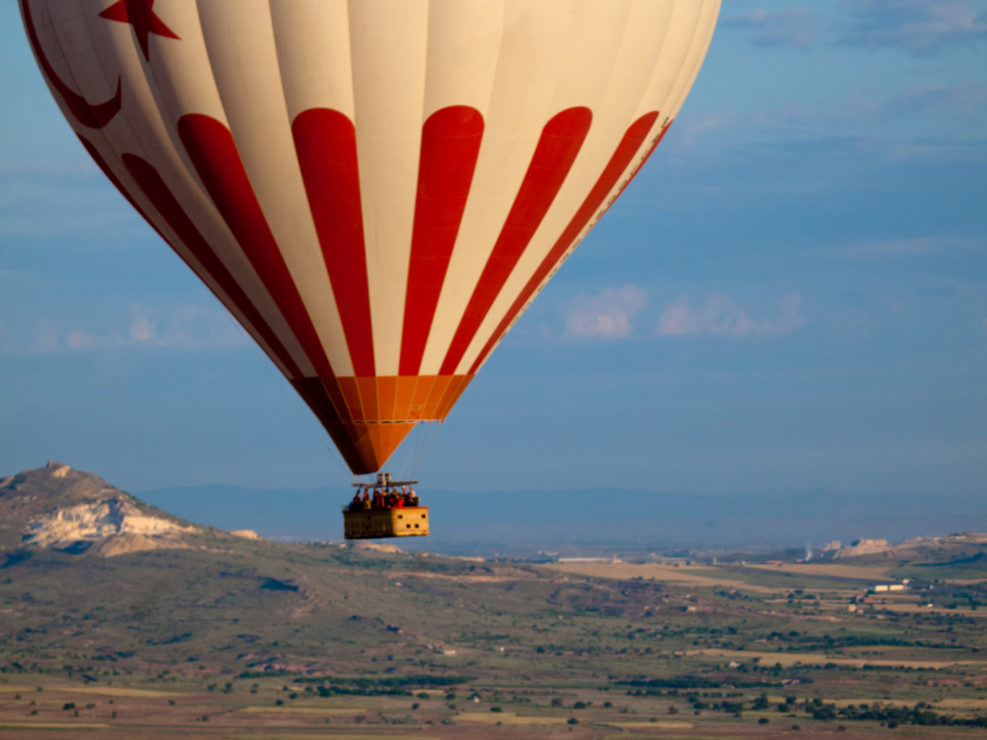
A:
(510, 524)
(592, 520)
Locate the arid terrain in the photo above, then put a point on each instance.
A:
(119, 621)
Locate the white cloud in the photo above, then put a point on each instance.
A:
(606, 315)
(81, 340)
(141, 329)
(183, 328)
(190, 327)
(719, 315)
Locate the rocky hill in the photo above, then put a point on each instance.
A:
(58, 508)
(949, 547)
(198, 600)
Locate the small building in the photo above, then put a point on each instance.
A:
(880, 588)
(582, 560)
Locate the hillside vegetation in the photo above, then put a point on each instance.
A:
(259, 636)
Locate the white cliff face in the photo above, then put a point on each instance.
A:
(864, 547)
(99, 520)
(58, 470)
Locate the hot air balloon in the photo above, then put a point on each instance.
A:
(375, 189)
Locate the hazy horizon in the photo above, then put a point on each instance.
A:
(590, 519)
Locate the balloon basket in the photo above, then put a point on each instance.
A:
(370, 524)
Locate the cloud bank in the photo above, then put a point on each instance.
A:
(606, 315)
(611, 314)
(184, 328)
(718, 315)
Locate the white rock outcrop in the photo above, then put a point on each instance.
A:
(864, 547)
(376, 547)
(100, 520)
(58, 470)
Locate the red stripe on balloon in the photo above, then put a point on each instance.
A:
(325, 141)
(164, 201)
(214, 155)
(619, 161)
(112, 177)
(560, 142)
(450, 146)
(651, 149)
(95, 115)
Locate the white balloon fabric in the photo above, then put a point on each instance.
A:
(376, 189)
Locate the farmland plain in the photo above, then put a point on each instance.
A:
(263, 639)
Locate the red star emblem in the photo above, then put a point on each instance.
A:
(140, 15)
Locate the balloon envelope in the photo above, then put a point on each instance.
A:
(376, 189)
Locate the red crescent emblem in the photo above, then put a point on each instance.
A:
(93, 116)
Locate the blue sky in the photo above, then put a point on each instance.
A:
(791, 297)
